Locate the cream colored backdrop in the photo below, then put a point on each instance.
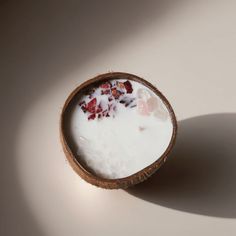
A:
(186, 48)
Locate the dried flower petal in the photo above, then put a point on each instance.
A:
(110, 99)
(108, 91)
(104, 112)
(107, 85)
(91, 106)
(92, 116)
(120, 85)
(128, 86)
(115, 93)
(99, 109)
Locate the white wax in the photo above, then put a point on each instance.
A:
(119, 146)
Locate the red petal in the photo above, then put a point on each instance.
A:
(91, 106)
(108, 91)
(105, 112)
(99, 109)
(128, 87)
(92, 117)
(105, 86)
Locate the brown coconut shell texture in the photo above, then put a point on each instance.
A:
(81, 169)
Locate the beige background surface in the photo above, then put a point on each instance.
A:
(186, 48)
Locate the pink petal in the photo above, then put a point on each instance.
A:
(142, 108)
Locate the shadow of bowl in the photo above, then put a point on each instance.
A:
(201, 176)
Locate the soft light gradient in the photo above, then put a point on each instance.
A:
(186, 48)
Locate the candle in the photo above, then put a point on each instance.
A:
(119, 127)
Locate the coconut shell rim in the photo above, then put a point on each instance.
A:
(130, 180)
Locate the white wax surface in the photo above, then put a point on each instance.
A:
(119, 146)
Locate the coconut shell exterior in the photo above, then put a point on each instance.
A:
(74, 160)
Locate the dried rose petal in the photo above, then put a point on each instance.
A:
(104, 112)
(120, 85)
(106, 108)
(115, 93)
(92, 116)
(99, 109)
(128, 87)
(91, 106)
(108, 91)
(105, 86)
